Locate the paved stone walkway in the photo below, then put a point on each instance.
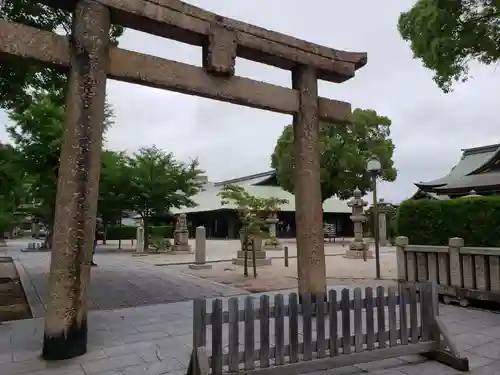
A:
(154, 340)
(119, 281)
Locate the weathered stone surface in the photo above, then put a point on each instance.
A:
(77, 190)
(219, 53)
(357, 203)
(181, 236)
(308, 203)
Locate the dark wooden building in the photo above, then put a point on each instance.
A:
(477, 172)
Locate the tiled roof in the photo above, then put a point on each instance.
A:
(208, 200)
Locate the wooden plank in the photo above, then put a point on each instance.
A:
(425, 311)
(494, 263)
(403, 314)
(234, 342)
(411, 267)
(279, 330)
(199, 323)
(370, 320)
(307, 326)
(264, 331)
(393, 339)
(249, 334)
(216, 358)
(358, 324)
(422, 267)
(468, 271)
(293, 327)
(346, 322)
(381, 333)
(481, 272)
(444, 269)
(414, 332)
(332, 322)
(347, 360)
(320, 326)
(132, 67)
(432, 267)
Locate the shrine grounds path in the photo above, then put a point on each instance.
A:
(119, 281)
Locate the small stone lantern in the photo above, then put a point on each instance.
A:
(358, 249)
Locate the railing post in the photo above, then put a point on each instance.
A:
(401, 243)
(455, 244)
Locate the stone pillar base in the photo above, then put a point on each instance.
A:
(199, 266)
(181, 249)
(358, 254)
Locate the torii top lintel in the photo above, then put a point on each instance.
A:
(186, 23)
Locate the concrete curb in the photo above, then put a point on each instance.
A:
(34, 301)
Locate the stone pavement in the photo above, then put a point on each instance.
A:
(119, 281)
(154, 340)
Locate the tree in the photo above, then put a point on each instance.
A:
(37, 134)
(159, 183)
(11, 187)
(21, 81)
(114, 188)
(344, 151)
(448, 35)
(252, 212)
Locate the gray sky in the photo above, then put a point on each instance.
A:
(429, 127)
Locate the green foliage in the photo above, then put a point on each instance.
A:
(159, 183)
(159, 243)
(163, 231)
(447, 35)
(22, 80)
(252, 211)
(37, 134)
(125, 232)
(114, 194)
(12, 191)
(433, 222)
(344, 152)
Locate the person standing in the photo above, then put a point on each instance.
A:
(94, 245)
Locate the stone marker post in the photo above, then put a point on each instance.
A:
(139, 243)
(383, 209)
(200, 252)
(358, 249)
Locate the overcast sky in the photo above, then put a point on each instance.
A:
(429, 127)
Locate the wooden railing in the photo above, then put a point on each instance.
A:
(462, 273)
(288, 337)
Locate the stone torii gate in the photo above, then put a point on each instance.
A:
(89, 59)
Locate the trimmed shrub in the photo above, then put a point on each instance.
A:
(433, 222)
(125, 232)
(164, 231)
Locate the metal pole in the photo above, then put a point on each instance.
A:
(375, 225)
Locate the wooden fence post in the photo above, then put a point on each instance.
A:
(401, 243)
(455, 244)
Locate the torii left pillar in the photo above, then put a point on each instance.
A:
(77, 190)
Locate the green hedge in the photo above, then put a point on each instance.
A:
(130, 232)
(433, 222)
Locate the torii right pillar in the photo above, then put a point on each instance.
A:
(308, 204)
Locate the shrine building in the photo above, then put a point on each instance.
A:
(476, 173)
(222, 221)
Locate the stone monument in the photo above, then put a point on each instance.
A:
(383, 209)
(139, 243)
(358, 249)
(272, 242)
(181, 236)
(200, 253)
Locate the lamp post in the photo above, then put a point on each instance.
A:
(373, 167)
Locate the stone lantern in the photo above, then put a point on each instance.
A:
(358, 249)
(272, 243)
